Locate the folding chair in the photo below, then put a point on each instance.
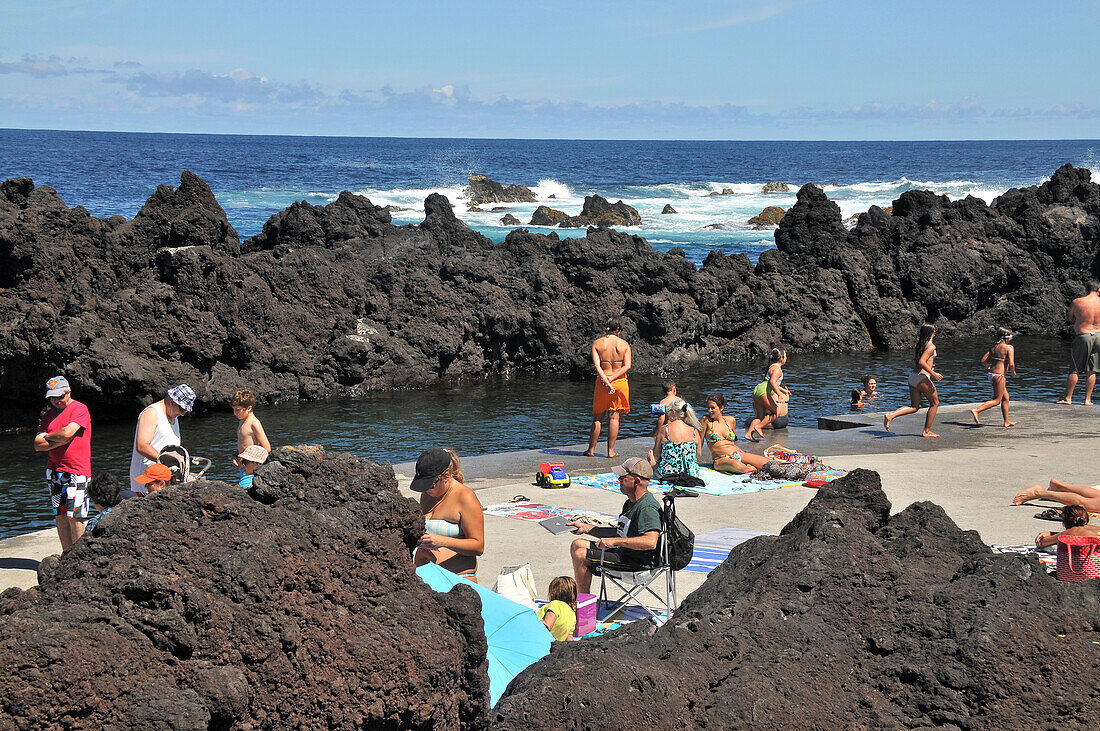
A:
(636, 583)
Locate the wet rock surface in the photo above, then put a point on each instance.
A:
(776, 187)
(850, 618)
(770, 216)
(547, 216)
(668, 209)
(204, 607)
(481, 190)
(336, 300)
(510, 220)
(598, 211)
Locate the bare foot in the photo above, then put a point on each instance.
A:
(589, 453)
(1032, 493)
(886, 422)
(1088, 403)
(929, 434)
(1009, 423)
(974, 413)
(1064, 401)
(612, 455)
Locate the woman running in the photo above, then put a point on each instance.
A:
(718, 432)
(1000, 360)
(921, 382)
(768, 394)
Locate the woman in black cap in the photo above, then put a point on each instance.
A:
(454, 525)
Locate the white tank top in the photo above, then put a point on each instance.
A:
(167, 433)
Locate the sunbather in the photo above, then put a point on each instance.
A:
(679, 442)
(719, 434)
(1062, 492)
(454, 525)
(1075, 519)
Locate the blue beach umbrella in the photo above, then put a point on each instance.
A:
(517, 637)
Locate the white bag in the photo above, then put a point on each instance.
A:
(517, 583)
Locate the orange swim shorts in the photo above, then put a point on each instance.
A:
(619, 401)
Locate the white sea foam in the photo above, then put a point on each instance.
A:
(549, 187)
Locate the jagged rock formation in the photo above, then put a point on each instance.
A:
(205, 607)
(850, 618)
(336, 300)
(775, 187)
(510, 220)
(668, 209)
(547, 216)
(724, 191)
(481, 189)
(770, 216)
(597, 211)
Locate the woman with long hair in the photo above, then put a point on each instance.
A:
(454, 524)
(999, 361)
(679, 442)
(718, 433)
(768, 395)
(922, 382)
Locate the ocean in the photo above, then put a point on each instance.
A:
(254, 177)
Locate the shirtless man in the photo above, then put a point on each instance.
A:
(1084, 351)
(611, 358)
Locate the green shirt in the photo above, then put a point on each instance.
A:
(639, 518)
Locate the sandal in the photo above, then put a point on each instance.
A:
(525, 499)
(1050, 514)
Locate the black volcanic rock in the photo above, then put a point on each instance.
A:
(336, 300)
(510, 220)
(776, 187)
(481, 189)
(849, 618)
(597, 211)
(199, 607)
(668, 209)
(547, 216)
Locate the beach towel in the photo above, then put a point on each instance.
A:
(714, 547)
(717, 483)
(1046, 558)
(624, 617)
(536, 512)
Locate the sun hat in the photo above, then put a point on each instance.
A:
(640, 468)
(183, 397)
(154, 472)
(254, 453)
(429, 466)
(56, 386)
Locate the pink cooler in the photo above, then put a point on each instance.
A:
(586, 614)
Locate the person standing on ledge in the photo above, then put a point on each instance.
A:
(1084, 351)
(922, 382)
(611, 357)
(158, 427)
(65, 431)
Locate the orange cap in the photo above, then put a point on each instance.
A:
(153, 473)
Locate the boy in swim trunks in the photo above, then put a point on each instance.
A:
(611, 358)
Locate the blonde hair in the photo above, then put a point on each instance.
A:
(455, 470)
(563, 589)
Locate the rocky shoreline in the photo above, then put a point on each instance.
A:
(336, 300)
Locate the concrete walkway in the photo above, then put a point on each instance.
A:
(971, 471)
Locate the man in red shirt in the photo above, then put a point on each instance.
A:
(66, 433)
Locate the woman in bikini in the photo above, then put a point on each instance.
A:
(922, 382)
(679, 442)
(1062, 492)
(718, 432)
(454, 525)
(1000, 360)
(768, 394)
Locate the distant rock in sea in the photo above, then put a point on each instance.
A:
(336, 300)
(725, 191)
(395, 209)
(481, 189)
(849, 617)
(668, 209)
(776, 187)
(510, 220)
(546, 216)
(597, 211)
(770, 216)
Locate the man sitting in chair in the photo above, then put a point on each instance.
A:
(633, 542)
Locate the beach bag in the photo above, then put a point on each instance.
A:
(681, 544)
(1078, 558)
(518, 584)
(782, 454)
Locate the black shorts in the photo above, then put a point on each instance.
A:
(621, 559)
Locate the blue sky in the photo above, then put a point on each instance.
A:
(739, 69)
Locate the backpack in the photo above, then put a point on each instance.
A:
(681, 541)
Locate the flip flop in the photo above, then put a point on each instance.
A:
(1050, 514)
(525, 499)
